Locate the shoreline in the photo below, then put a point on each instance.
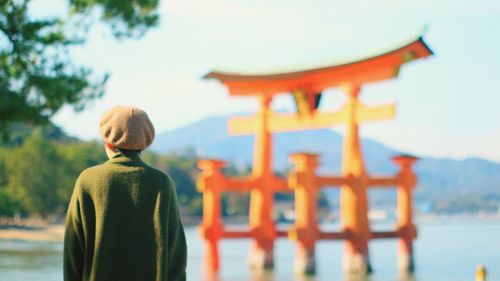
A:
(49, 232)
(31, 230)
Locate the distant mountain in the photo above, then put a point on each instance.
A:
(438, 178)
(210, 139)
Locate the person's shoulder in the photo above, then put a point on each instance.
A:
(160, 176)
(91, 171)
(91, 174)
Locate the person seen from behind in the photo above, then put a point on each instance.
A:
(123, 220)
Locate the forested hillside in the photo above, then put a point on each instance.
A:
(39, 166)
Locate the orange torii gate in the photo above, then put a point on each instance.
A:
(306, 87)
(307, 184)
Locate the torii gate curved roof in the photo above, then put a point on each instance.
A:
(313, 81)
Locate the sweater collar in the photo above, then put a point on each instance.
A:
(126, 157)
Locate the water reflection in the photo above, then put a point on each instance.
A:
(404, 276)
(270, 276)
(254, 276)
(441, 256)
(24, 255)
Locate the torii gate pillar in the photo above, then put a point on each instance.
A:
(406, 228)
(304, 183)
(353, 198)
(261, 198)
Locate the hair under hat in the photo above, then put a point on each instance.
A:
(127, 128)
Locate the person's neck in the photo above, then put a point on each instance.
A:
(129, 151)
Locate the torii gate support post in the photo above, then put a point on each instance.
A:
(407, 231)
(305, 233)
(210, 184)
(353, 197)
(261, 254)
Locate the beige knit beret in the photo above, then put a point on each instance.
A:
(127, 128)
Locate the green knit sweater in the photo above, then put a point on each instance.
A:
(123, 223)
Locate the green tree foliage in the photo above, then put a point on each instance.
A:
(36, 176)
(128, 18)
(37, 75)
(7, 203)
(3, 173)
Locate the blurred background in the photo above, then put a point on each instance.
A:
(63, 63)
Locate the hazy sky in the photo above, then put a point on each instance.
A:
(448, 105)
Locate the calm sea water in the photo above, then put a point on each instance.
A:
(446, 250)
